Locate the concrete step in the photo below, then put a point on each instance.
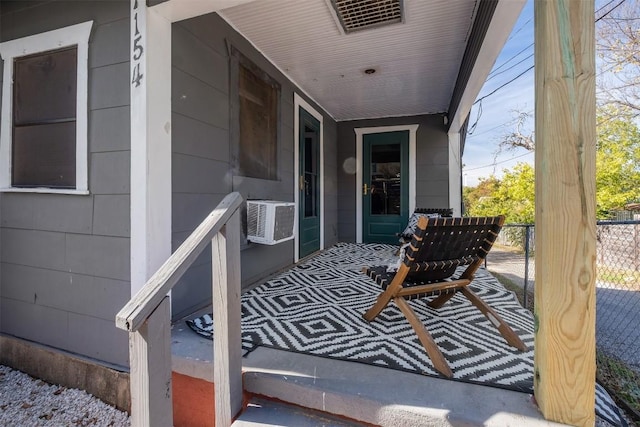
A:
(351, 392)
(383, 397)
(262, 413)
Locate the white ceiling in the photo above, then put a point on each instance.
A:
(416, 61)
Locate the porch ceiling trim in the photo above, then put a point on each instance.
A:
(299, 87)
(179, 10)
(467, 85)
(415, 63)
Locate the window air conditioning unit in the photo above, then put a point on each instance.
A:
(270, 222)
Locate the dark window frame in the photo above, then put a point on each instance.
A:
(238, 62)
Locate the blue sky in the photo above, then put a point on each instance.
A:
(498, 110)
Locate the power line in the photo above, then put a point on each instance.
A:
(522, 28)
(496, 127)
(610, 10)
(514, 65)
(473, 126)
(603, 6)
(498, 163)
(510, 59)
(627, 19)
(493, 73)
(532, 44)
(503, 85)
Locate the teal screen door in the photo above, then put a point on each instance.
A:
(385, 186)
(309, 185)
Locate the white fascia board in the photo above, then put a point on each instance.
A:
(179, 10)
(502, 22)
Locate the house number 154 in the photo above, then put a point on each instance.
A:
(138, 49)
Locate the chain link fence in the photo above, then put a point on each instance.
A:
(617, 281)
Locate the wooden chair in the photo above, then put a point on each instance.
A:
(437, 248)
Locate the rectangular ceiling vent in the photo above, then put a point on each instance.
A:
(356, 15)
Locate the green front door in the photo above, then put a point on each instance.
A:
(309, 185)
(385, 189)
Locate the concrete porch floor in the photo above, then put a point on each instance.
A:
(359, 392)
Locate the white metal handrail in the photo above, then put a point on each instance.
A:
(147, 319)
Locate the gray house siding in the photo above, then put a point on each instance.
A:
(204, 148)
(64, 259)
(432, 166)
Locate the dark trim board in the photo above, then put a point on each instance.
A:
(484, 15)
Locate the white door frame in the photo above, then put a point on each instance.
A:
(360, 132)
(455, 173)
(299, 102)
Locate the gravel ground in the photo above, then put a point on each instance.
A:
(25, 401)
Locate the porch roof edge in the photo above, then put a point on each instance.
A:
(494, 21)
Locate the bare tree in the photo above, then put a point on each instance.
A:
(520, 136)
(618, 48)
(618, 76)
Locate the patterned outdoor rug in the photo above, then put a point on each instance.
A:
(317, 306)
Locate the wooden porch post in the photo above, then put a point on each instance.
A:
(565, 210)
(227, 346)
(150, 349)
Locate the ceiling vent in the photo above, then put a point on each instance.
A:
(355, 15)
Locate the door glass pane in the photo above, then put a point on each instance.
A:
(385, 179)
(310, 173)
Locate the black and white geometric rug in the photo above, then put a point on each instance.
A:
(316, 308)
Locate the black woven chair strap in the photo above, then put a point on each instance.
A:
(383, 278)
(440, 211)
(453, 239)
(380, 275)
(442, 265)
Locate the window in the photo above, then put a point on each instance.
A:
(43, 142)
(44, 120)
(258, 104)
